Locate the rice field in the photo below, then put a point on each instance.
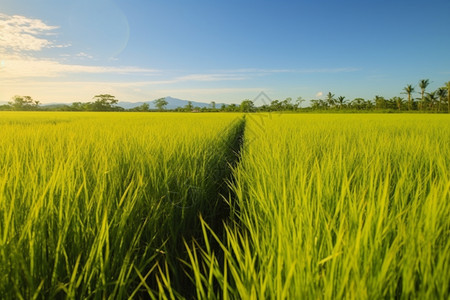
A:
(336, 207)
(93, 203)
(172, 206)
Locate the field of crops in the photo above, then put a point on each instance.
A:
(90, 202)
(327, 206)
(338, 206)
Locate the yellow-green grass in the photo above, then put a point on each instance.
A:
(93, 205)
(98, 205)
(335, 207)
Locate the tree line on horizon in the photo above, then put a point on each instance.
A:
(433, 101)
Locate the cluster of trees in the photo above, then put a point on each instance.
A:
(436, 101)
(433, 101)
(103, 102)
(21, 103)
(160, 105)
(245, 106)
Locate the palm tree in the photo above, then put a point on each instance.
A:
(341, 101)
(330, 99)
(441, 93)
(431, 98)
(447, 87)
(315, 104)
(380, 102)
(423, 85)
(398, 102)
(357, 103)
(408, 91)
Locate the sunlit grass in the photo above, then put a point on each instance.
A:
(91, 203)
(106, 205)
(335, 206)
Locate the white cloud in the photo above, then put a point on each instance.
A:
(84, 55)
(185, 78)
(19, 33)
(211, 77)
(210, 91)
(20, 66)
(256, 71)
(319, 94)
(259, 71)
(26, 67)
(328, 70)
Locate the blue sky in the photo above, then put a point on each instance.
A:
(223, 51)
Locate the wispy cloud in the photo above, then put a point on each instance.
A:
(84, 55)
(327, 70)
(182, 79)
(233, 75)
(256, 71)
(22, 66)
(211, 91)
(211, 77)
(26, 67)
(19, 33)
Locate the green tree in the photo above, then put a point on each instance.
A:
(441, 93)
(188, 106)
(232, 107)
(213, 105)
(286, 104)
(330, 99)
(341, 101)
(423, 84)
(275, 105)
(104, 102)
(77, 106)
(4, 107)
(380, 102)
(144, 107)
(409, 89)
(299, 102)
(161, 103)
(431, 99)
(398, 101)
(23, 103)
(447, 87)
(247, 106)
(315, 104)
(358, 103)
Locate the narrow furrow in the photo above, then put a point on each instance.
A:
(215, 212)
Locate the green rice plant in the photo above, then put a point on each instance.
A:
(96, 205)
(334, 207)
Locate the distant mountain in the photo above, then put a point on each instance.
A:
(172, 103)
